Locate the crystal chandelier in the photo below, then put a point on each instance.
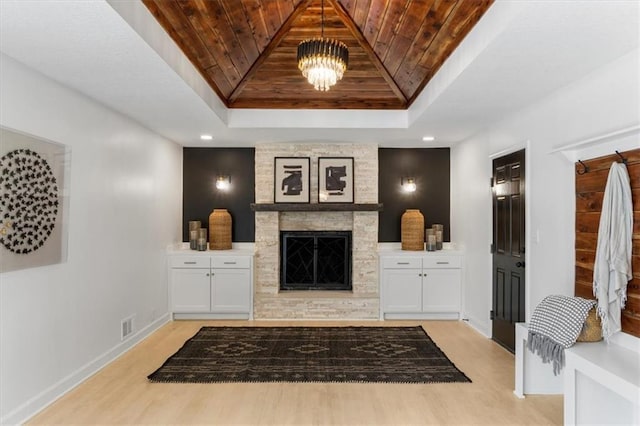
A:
(322, 61)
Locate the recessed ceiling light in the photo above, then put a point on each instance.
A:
(429, 138)
(206, 137)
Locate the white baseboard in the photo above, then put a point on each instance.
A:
(211, 316)
(39, 402)
(481, 327)
(451, 316)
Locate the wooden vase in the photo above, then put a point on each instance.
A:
(220, 230)
(412, 230)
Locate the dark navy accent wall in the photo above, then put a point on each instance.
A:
(201, 167)
(430, 167)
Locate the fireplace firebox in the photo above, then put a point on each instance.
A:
(315, 260)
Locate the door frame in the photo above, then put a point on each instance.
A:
(528, 173)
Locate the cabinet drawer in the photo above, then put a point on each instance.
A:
(401, 262)
(442, 262)
(231, 262)
(189, 262)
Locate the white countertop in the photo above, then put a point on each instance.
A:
(248, 249)
(238, 249)
(394, 249)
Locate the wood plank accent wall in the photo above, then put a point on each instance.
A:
(589, 193)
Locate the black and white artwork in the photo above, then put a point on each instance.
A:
(32, 201)
(291, 180)
(335, 180)
(29, 201)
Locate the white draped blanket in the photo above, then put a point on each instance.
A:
(612, 268)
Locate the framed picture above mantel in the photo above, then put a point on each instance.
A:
(291, 180)
(335, 180)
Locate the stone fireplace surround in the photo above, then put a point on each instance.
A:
(363, 301)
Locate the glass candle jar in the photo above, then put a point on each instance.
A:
(431, 243)
(202, 244)
(193, 239)
(439, 234)
(430, 238)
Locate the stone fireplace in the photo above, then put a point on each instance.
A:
(362, 302)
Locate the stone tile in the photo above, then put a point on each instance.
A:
(363, 302)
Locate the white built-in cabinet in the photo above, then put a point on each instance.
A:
(420, 285)
(211, 285)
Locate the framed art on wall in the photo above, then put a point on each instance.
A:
(291, 180)
(335, 180)
(34, 201)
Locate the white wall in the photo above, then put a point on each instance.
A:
(60, 323)
(470, 189)
(604, 101)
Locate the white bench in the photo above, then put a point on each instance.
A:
(532, 376)
(600, 381)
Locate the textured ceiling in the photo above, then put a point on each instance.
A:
(519, 53)
(246, 50)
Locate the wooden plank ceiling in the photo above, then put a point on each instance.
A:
(246, 49)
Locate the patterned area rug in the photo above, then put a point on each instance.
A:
(309, 354)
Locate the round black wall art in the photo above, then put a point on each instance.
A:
(28, 201)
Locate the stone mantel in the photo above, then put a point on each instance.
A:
(316, 207)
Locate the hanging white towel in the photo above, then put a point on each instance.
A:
(612, 268)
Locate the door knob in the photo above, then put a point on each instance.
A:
(520, 264)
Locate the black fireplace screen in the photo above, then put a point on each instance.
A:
(315, 260)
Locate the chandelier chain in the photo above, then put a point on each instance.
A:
(322, 19)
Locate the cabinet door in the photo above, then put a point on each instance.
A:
(231, 290)
(441, 290)
(190, 290)
(402, 290)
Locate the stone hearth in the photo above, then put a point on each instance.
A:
(363, 301)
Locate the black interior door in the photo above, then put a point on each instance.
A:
(508, 247)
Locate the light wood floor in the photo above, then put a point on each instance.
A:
(121, 394)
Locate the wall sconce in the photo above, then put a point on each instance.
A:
(223, 182)
(408, 184)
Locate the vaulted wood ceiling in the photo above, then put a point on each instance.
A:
(246, 49)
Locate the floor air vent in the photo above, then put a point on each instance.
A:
(127, 327)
